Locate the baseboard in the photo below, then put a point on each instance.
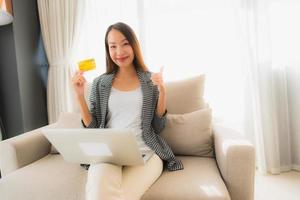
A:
(296, 167)
(282, 169)
(289, 168)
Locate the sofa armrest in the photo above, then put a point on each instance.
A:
(23, 149)
(236, 160)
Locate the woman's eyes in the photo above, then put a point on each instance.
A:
(114, 46)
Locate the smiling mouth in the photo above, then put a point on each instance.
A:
(122, 58)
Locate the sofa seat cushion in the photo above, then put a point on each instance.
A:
(48, 178)
(200, 179)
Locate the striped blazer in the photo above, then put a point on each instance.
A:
(152, 124)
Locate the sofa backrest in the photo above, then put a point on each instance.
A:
(185, 96)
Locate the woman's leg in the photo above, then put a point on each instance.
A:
(104, 182)
(138, 179)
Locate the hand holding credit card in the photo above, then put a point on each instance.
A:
(86, 65)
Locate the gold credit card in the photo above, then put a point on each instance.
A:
(86, 65)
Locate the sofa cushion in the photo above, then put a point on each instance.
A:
(48, 178)
(185, 96)
(200, 179)
(190, 134)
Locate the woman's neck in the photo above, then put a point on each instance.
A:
(126, 73)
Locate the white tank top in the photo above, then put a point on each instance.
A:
(125, 111)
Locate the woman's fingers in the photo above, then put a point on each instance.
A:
(78, 79)
(157, 82)
(157, 77)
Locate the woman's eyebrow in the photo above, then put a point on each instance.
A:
(115, 43)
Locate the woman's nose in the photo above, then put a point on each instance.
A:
(119, 51)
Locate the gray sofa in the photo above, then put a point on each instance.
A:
(222, 171)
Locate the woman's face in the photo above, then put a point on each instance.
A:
(120, 50)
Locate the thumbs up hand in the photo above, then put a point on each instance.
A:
(157, 79)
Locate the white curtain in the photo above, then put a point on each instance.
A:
(267, 118)
(61, 25)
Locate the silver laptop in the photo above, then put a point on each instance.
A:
(91, 146)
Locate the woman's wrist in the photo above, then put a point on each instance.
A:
(162, 89)
(161, 107)
(160, 114)
(80, 97)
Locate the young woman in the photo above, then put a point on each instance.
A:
(126, 96)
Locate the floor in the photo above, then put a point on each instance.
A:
(285, 186)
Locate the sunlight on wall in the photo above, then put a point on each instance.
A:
(194, 38)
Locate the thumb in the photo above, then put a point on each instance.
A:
(161, 69)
